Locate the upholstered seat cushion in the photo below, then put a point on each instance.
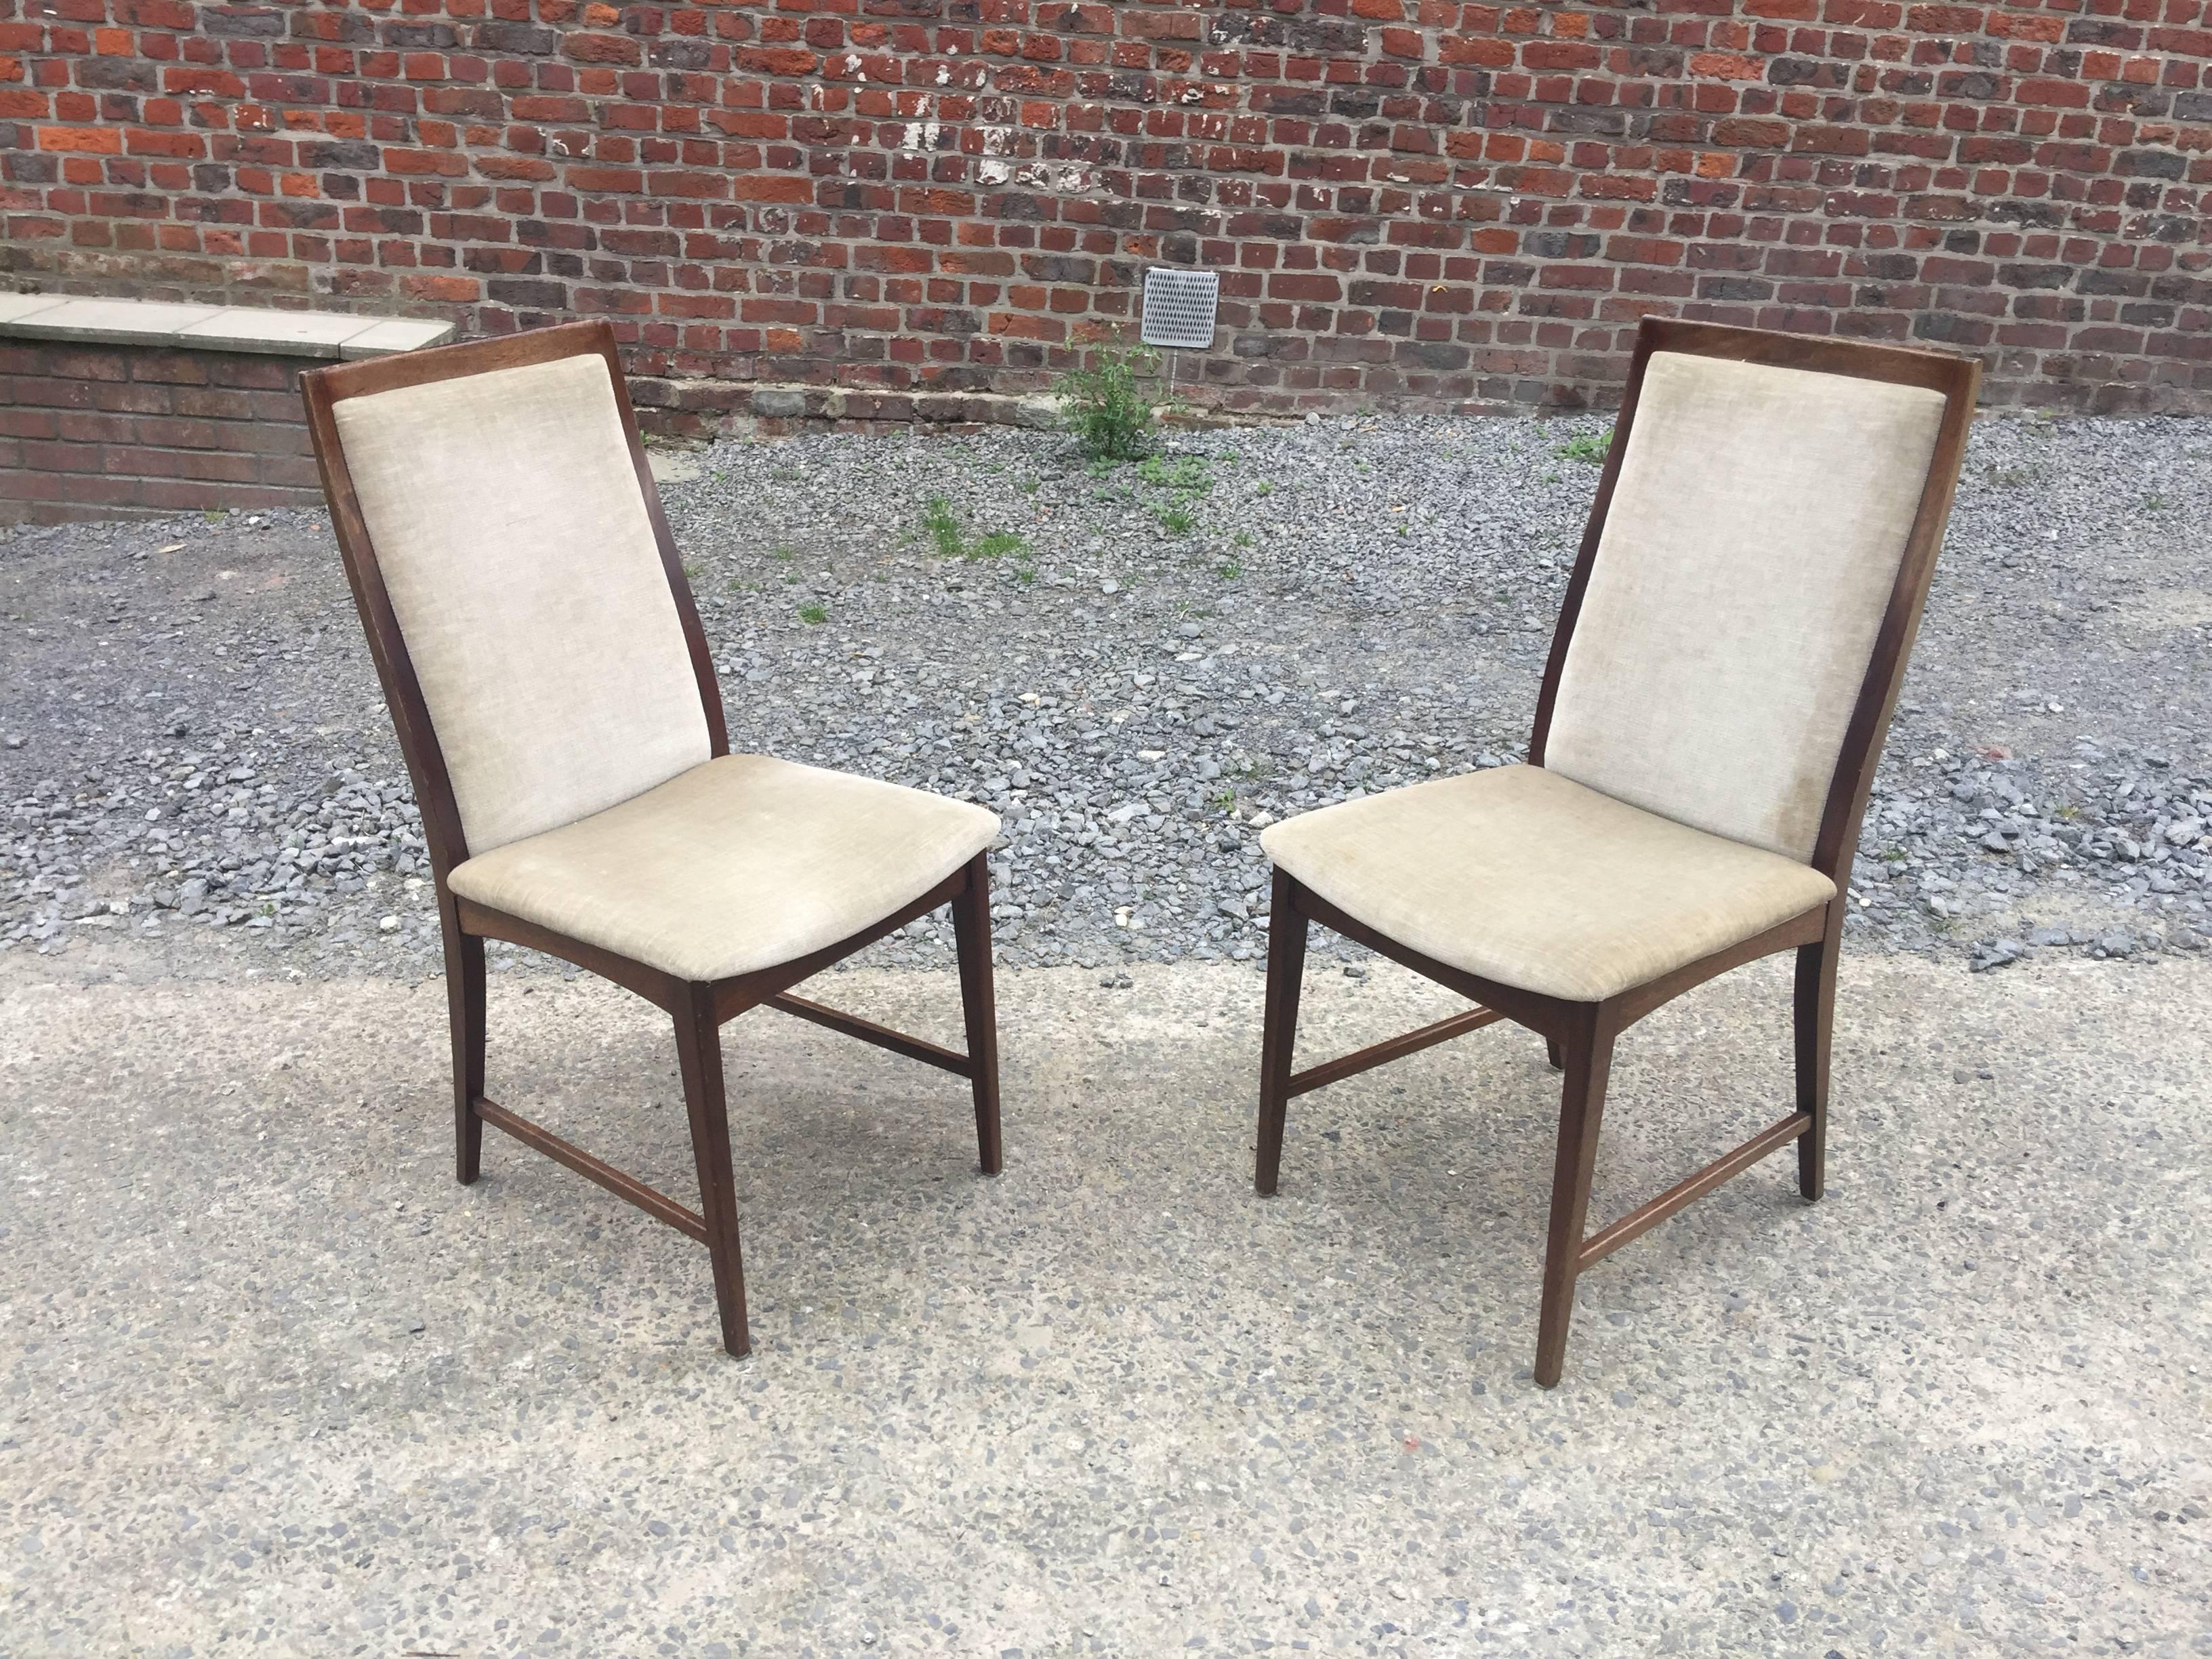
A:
(1528, 878)
(742, 863)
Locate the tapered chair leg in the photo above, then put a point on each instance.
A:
(1589, 1055)
(464, 1008)
(699, 1054)
(1286, 967)
(1552, 1053)
(971, 934)
(1815, 1022)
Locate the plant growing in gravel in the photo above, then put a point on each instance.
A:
(1103, 404)
(1177, 519)
(1590, 446)
(783, 553)
(1228, 570)
(1263, 488)
(944, 527)
(1189, 475)
(812, 614)
(997, 542)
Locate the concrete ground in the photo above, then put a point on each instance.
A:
(275, 1384)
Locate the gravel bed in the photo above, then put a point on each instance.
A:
(1138, 669)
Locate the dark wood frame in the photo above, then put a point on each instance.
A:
(1580, 1036)
(698, 1010)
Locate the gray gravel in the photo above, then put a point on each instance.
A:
(196, 753)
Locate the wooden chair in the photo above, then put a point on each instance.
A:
(1719, 683)
(556, 704)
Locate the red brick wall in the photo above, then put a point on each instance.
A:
(123, 432)
(889, 207)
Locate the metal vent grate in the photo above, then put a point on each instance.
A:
(1179, 306)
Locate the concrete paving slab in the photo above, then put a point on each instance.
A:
(274, 1382)
(110, 322)
(15, 307)
(396, 334)
(285, 333)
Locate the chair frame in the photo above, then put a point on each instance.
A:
(698, 1010)
(1580, 1036)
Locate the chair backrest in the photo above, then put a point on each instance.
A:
(522, 597)
(1752, 573)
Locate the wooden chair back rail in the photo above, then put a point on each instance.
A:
(1580, 1036)
(697, 1011)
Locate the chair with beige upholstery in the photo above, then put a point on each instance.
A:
(558, 710)
(1722, 673)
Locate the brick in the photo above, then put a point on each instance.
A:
(1418, 200)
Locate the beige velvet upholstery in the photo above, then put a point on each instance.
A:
(1531, 879)
(1753, 539)
(512, 534)
(741, 864)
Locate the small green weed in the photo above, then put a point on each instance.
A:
(1176, 518)
(812, 614)
(1228, 570)
(1188, 475)
(944, 528)
(1104, 404)
(951, 540)
(1589, 446)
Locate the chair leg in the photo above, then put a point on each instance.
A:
(699, 1054)
(1552, 1053)
(971, 933)
(1589, 1055)
(1815, 1023)
(464, 1008)
(1286, 967)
